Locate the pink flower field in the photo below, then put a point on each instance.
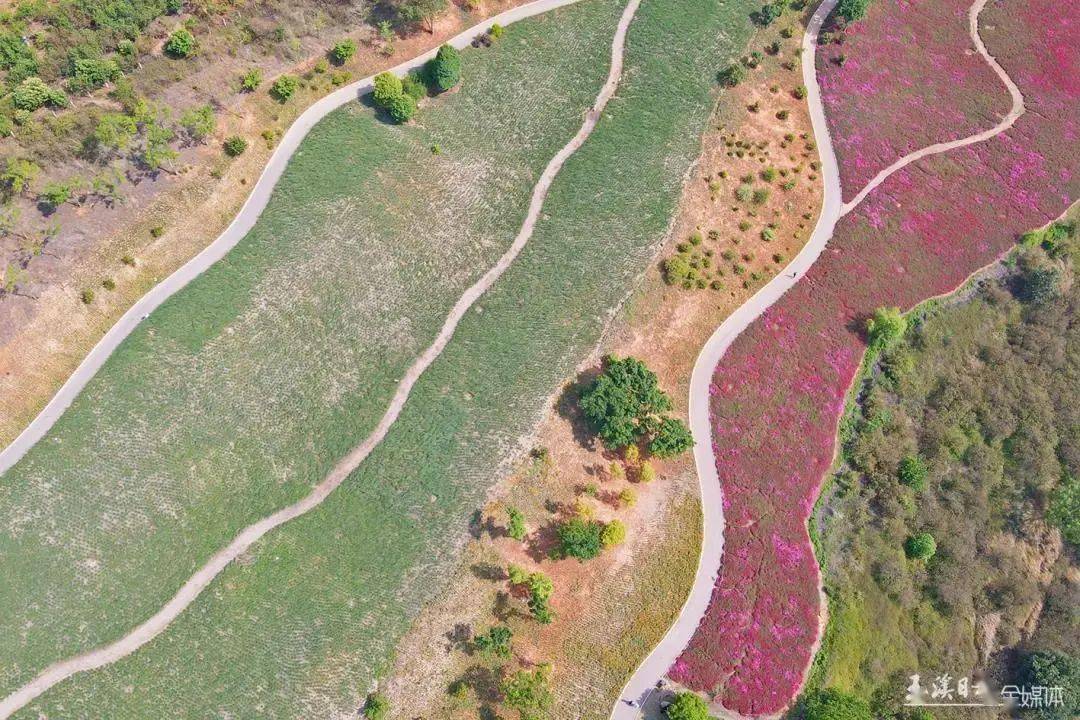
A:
(910, 77)
(778, 393)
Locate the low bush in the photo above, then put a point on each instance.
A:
(920, 547)
(912, 472)
(198, 122)
(732, 75)
(251, 80)
(32, 93)
(687, 706)
(885, 327)
(343, 51)
(284, 87)
(496, 642)
(672, 438)
(614, 533)
(515, 524)
(377, 707)
(831, 704)
(579, 538)
(181, 44)
(235, 145)
(852, 10)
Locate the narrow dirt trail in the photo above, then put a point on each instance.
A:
(191, 589)
(637, 697)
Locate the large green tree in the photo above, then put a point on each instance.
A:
(624, 402)
(687, 706)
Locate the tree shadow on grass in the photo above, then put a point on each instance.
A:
(542, 542)
(568, 408)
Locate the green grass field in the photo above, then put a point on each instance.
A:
(303, 626)
(244, 389)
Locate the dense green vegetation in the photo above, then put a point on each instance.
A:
(625, 405)
(687, 706)
(243, 390)
(938, 539)
(321, 586)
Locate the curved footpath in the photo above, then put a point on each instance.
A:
(236, 230)
(204, 576)
(637, 697)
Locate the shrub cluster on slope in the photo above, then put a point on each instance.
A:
(960, 454)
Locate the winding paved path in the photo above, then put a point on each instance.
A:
(191, 589)
(656, 665)
(237, 229)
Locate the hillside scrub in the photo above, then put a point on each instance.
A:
(987, 394)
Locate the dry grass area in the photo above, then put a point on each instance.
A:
(46, 330)
(613, 609)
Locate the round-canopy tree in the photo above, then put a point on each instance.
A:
(622, 404)
(920, 547)
(687, 706)
(444, 70)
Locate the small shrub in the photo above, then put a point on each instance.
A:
(768, 234)
(157, 231)
(87, 296)
(377, 707)
(496, 642)
(53, 195)
(343, 51)
(670, 439)
(18, 176)
(614, 533)
(128, 260)
(852, 10)
(886, 326)
(32, 93)
(181, 44)
(284, 87)
(760, 196)
(340, 77)
(579, 538)
(413, 86)
(251, 80)
(496, 31)
(912, 472)
(515, 524)
(235, 145)
(920, 547)
(627, 497)
(198, 122)
(744, 192)
(832, 704)
(616, 472)
(732, 75)
(768, 174)
(528, 692)
(782, 115)
(799, 93)
(646, 472)
(1064, 509)
(108, 284)
(687, 706)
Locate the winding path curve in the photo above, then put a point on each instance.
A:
(656, 665)
(204, 576)
(236, 230)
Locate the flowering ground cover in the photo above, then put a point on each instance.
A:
(779, 391)
(905, 76)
